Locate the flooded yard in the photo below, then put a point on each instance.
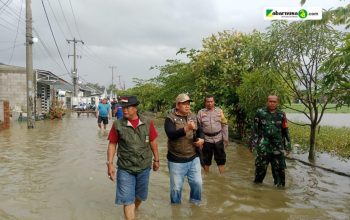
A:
(58, 171)
(335, 120)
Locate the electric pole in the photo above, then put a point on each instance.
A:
(113, 67)
(29, 64)
(75, 72)
(120, 85)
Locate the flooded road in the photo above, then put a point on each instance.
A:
(58, 171)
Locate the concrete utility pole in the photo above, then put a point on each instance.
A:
(29, 64)
(120, 85)
(75, 72)
(113, 67)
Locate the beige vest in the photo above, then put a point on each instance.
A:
(183, 146)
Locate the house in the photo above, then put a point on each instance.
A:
(13, 88)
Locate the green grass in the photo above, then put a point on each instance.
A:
(328, 139)
(301, 107)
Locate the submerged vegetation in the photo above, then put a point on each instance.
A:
(329, 139)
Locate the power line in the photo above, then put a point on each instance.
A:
(8, 10)
(14, 43)
(4, 4)
(46, 50)
(54, 36)
(75, 20)
(58, 24)
(7, 28)
(64, 16)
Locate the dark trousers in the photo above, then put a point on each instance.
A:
(278, 165)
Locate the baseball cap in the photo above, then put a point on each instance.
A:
(183, 97)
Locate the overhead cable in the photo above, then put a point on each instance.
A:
(59, 52)
(64, 16)
(14, 43)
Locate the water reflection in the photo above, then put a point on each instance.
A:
(328, 119)
(57, 171)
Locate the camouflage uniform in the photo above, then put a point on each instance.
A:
(270, 138)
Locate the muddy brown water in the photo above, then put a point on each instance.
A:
(58, 171)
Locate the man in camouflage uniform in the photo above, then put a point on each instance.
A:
(271, 141)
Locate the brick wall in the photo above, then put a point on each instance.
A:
(13, 88)
(5, 114)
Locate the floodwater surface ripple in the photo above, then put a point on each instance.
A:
(58, 171)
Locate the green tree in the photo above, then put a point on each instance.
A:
(175, 77)
(218, 68)
(147, 93)
(302, 51)
(338, 16)
(256, 87)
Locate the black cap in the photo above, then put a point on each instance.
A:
(127, 101)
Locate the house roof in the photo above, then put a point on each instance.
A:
(48, 78)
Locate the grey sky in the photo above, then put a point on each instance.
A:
(132, 35)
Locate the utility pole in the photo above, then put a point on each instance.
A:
(75, 72)
(113, 67)
(29, 64)
(120, 85)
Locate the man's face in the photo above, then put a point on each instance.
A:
(272, 102)
(183, 107)
(104, 101)
(209, 103)
(129, 112)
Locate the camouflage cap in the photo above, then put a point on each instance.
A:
(183, 97)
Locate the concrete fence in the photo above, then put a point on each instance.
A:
(4, 114)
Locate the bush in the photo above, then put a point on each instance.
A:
(56, 110)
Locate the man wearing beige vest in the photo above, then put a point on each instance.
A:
(184, 137)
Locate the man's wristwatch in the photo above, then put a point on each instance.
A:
(109, 162)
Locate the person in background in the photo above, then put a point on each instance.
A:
(113, 107)
(135, 136)
(270, 139)
(103, 113)
(184, 136)
(215, 130)
(119, 110)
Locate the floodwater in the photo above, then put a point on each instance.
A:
(58, 171)
(328, 119)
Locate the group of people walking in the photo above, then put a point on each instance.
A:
(193, 141)
(106, 110)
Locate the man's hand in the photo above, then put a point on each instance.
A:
(199, 143)
(190, 126)
(156, 165)
(111, 172)
(225, 143)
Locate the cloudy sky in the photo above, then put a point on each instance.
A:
(132, 35)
